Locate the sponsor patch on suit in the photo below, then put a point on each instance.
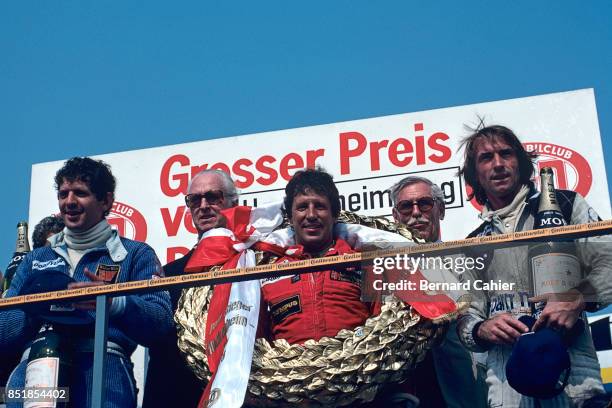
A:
(285, 308)
(351, 275)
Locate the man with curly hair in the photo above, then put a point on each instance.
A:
(318, 304)
(90, 252)
(47, 227)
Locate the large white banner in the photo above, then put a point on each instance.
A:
(365, 157)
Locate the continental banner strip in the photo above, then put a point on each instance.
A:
(305, 266)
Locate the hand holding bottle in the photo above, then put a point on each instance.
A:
(562, 310)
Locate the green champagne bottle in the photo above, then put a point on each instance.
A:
(49, 366)
(22, 247)
(555, 268)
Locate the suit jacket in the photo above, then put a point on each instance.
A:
(170, 382)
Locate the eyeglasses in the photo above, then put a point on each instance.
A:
(425, 204)
(212, 197)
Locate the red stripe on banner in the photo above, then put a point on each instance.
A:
(238, 219)
(268, 247)
(210, 251)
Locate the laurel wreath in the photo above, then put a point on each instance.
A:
(346, 369)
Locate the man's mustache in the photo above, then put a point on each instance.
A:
(418, 221)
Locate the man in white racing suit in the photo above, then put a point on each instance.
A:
(498, 169)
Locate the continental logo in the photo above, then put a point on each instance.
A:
(134, 284)
(195, 276)
(598, 224)
(262, 268)
(163, 281)
(39, 296)
(325, 260)
(12, 300)
(349, 257)
(528, 234)
(129, 221)
(291, 265)
(98, 289)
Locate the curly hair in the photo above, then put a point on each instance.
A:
(95, 173)
(312, 180)
(491, 133)
(48, 225)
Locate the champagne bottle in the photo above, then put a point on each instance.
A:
(555, 268)
(22, 247)
(48, 365)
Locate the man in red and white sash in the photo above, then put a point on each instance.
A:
(169, 380)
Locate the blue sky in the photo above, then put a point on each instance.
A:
(85, 78)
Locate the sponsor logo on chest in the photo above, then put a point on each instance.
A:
(54, 263)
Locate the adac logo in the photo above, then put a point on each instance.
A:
(571, 169)
(129, 221)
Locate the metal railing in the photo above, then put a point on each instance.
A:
(101, 293)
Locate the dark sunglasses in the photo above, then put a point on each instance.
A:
(405, 207)
(212, 197)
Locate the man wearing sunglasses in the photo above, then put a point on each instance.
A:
(445, 377)
(170, 382)
(419, 204)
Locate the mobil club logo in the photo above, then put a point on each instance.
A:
(128, 221)
(571, 170)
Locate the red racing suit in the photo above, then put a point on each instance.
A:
(313, 305)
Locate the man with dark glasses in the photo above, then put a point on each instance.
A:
(419, 204)
(169, 379)
(210, 192)
(447, 370)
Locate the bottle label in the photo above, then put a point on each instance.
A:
(12, 268)
(549, 219)
(555, 273)
(42, 372)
